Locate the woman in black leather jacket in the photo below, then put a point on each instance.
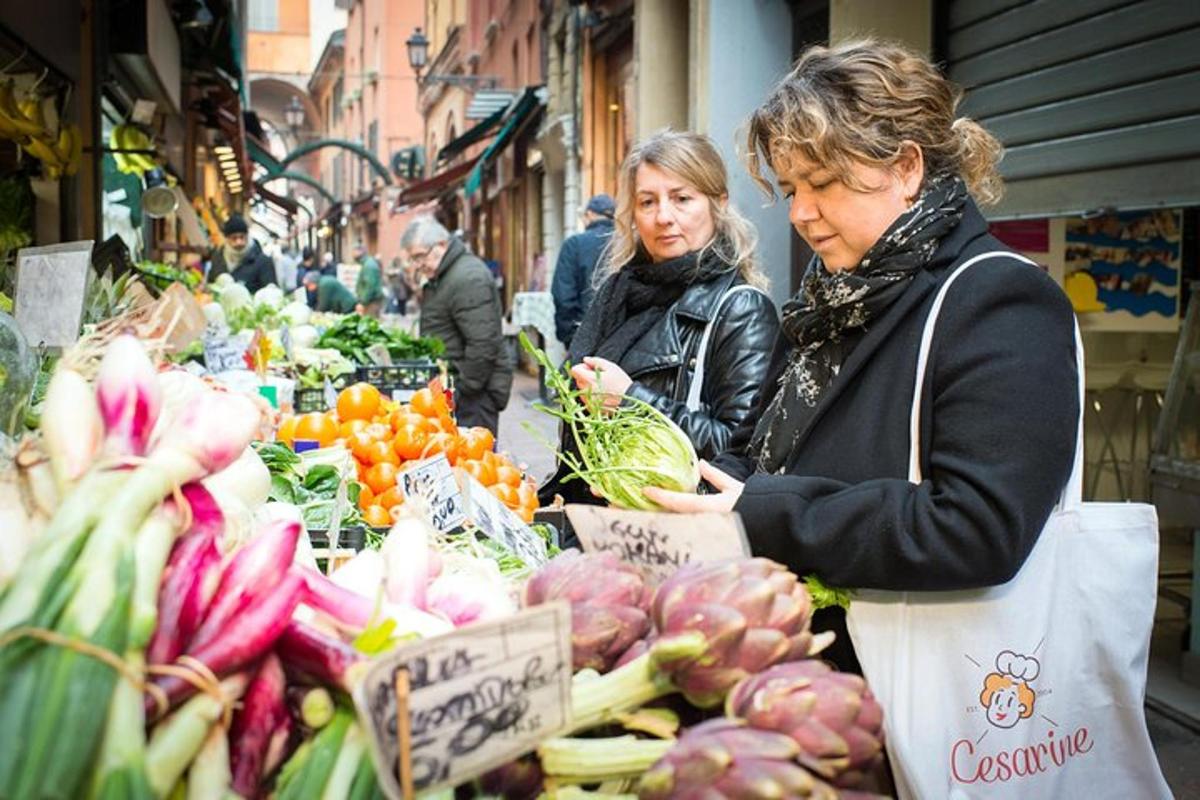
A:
(681, 261)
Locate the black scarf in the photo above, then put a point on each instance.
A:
(629, 303)
(828, 310)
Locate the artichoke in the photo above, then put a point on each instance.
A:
(609, 602)
(832, 716)
(516, 780)
(721, 621)
(725, 758)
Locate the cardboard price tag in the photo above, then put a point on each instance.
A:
(499, 523)
(433, 480)
(51, 285)
(660, 542)
(222, 354)
(477, 698)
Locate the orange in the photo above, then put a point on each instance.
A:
(527, 494)
(441, 442)
(380, 477)
(474, 446)
(424, 403)
(390, 499)
(359, 401)
(287, 430)
(482, 471)
(409, 442)
(507, 473)
(489, 440)
(321, 428)
(381, 452)
(507, 494)
(400, 420)
(377, 517)
(525, 513)
(357, 443)
(350, 427)
(365, 497)
(379, 431)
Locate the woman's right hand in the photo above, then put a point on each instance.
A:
(602, 376)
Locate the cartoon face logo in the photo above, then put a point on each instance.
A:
(1006, 694)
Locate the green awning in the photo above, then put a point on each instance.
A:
(525, 106)
(483, 129)
(259, 155)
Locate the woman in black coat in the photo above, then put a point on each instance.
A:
(863, 140)
(680, 261)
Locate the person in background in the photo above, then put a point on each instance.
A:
(242, 257)
(571, 286)
(881, 179)
(287, 269)
(398, 282)
(310, 282)
(460, 306)
(681, 265)
(328, 265)
(329, 293)
(369, 286)
(308, 261)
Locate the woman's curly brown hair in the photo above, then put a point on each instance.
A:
(863, 101)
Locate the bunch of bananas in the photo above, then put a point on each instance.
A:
(130, 137)
(24, 121)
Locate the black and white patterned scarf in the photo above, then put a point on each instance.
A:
(829, 305)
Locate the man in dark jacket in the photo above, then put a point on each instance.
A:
(572, 284)
(242, 257)
(460, 306)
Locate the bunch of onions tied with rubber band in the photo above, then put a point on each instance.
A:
(621, 450)
(78, 615)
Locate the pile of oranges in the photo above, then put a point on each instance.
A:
(385, 438)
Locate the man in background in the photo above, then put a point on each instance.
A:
(242, 257)
(460, 306)
(368, 289)
(572, 284)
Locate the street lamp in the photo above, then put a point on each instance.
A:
(293, 114)
(418, 52)
(418, 59)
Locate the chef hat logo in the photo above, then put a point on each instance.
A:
(1023, 668)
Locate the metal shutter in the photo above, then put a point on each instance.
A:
(1096, 101)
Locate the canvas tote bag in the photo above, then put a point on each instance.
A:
(1032, 689)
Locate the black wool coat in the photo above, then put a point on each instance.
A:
(1000, 410)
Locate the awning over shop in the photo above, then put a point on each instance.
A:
(531, 99)
(436, 186)
(483, 129)
(259, 155)
(285, 204)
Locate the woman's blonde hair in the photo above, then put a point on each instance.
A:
(694, 159)
(864, 101)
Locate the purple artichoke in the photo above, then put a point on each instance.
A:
(724, 758)
(832, 716)
(516, 780)
(609, 603)
(721, 621)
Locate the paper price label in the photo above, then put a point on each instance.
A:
(478, 698)
(500, 524)
(50, 290)
(660, 542)
(223, 355)
(433, 481)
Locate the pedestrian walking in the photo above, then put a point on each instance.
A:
(460, 306)
(571, 286)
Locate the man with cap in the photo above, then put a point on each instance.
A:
(369, 286)
(572, 284)
(242, 257)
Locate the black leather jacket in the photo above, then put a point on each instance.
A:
(662, 362)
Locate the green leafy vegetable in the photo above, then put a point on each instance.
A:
(354, 334)
(825, 596)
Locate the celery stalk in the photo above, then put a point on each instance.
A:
(569, 760)
(341, 777)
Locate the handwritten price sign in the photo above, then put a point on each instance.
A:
(478, 698)
(433, 480)
(659, 542)
(500, 524)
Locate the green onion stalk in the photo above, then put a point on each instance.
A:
(621, 450)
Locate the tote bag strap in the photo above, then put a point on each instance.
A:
(1072, 494)
(693, 395)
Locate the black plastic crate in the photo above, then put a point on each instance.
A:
(353, 538)
(306, 400)
(400, 380)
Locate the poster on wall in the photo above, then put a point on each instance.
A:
(1122, 270)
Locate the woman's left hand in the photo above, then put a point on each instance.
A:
(729, 489)
(602, 376)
